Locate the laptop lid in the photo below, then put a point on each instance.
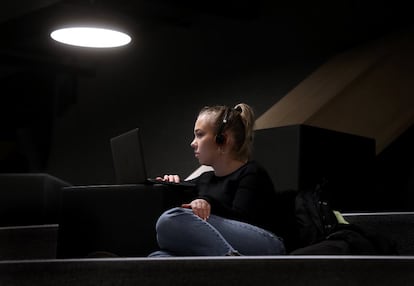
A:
(129, 163)
(128, 158)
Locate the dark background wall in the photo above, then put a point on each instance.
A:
(163, 101)
(58, 115)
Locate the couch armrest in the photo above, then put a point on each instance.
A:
(29, 198)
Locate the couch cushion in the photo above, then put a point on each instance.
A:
(397, 226)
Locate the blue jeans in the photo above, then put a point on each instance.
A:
(182, 233)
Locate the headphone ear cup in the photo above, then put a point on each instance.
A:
(220, 139)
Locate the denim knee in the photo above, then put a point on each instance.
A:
(166, 220)
(182, 232)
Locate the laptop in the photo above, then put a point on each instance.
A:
(129, 162)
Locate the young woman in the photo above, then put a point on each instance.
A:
(233, 210)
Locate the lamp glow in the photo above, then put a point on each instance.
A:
(91, 37)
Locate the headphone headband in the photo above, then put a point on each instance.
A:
(220, 136)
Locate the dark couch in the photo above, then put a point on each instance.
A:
(121, 219)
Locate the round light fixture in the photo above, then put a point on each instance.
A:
(91, 37)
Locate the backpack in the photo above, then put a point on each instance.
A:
(315, 219)
(316, 223)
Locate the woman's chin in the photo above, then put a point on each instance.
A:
(201, 162)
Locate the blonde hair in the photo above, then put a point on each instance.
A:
(239, 121)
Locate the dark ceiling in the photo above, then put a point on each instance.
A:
(261, 29)
(310, 28)
(315, 25)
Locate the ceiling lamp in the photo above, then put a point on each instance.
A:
(91, 37)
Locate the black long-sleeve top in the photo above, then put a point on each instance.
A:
(246, 195)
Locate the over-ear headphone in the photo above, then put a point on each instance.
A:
(220, 136)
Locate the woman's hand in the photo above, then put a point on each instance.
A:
(169, 178)
(200, 208)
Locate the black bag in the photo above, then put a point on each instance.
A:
(317, 224)
(315, 219)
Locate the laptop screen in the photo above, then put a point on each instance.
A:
(128, 158)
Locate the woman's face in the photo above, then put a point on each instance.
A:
(204, 143)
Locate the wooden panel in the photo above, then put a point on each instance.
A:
(365, 92)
